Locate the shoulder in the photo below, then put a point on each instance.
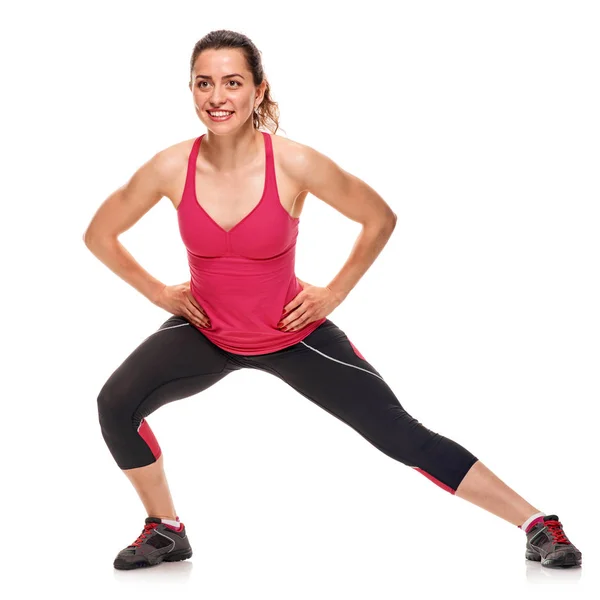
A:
(294, 157)
(170, 165)
(169, 161)
(305, 165)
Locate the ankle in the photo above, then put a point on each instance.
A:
(532, 521)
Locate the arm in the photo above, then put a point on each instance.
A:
(352, 197)
(120, 211)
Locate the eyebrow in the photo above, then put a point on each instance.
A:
(224, 76)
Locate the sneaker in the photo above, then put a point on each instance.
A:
(157, 543)
(547, 542)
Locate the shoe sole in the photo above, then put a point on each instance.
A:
(568, 560)
(172, 557)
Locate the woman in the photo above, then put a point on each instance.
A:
(244, 307)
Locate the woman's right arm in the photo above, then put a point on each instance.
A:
(120, 211)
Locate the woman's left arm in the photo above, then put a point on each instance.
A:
(352, 197)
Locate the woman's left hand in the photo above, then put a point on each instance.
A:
(311, 304)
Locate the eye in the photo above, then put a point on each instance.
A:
(237, 83)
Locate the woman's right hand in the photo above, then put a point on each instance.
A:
(178, 300)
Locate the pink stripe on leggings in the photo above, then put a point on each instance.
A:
(356, 350)
(436, 481)
(147, 435)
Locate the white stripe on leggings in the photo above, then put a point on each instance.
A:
(342, 362)
(165, 328)
(172, 327)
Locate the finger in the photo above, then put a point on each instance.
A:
(296, 322)
(286, 319)
(294, 304)
(196, 308)
(198, 318)
(295, 313)
(190, 317)
(299, 326)
(194, 301)
(292, 313)
(204, 318)
(199, 314)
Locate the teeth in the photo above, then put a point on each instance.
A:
(220, 113)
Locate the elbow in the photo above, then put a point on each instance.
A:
(389, 224)
(91, 239)
(381, 228)
(88, 239)
(386, 223)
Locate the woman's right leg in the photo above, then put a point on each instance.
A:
(175, 362)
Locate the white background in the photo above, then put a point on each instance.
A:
(478, 123)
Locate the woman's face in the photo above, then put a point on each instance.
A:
(221, 81)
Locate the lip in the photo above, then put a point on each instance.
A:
(220, 119)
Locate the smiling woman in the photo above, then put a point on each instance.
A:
(265, 112)
(238, 191)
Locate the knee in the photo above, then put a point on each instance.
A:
(408, 440)
(405, 450)
(112, 405)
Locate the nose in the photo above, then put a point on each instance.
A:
(217, 97)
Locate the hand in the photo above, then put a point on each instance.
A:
(311, 304)
(178, 300)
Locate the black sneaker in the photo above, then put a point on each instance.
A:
(547, 542)
(157, 543)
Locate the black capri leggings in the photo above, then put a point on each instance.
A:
(178, 361)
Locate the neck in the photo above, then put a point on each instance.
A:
(233, 151)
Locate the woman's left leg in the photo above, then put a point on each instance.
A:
(328, 369)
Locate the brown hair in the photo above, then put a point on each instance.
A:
(268, 110)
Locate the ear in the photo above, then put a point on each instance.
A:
(261, 91)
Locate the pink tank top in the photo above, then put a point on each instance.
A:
(243, 277)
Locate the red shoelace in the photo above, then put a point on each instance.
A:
(555, 528)
(147, 529)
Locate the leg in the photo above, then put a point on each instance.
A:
(329, 370)
(150, 483)
(326, 368)
(481, 487)
(175, 362)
